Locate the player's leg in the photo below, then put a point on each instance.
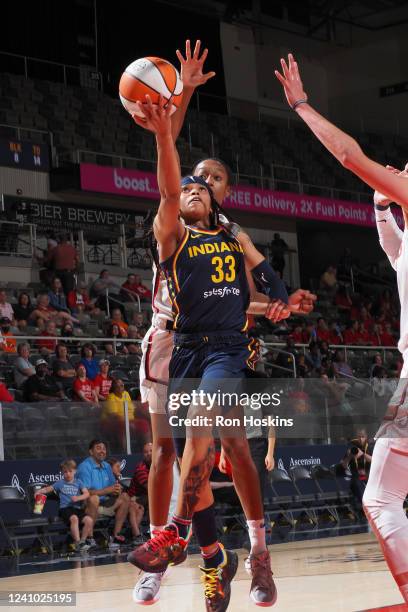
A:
(383, 501)
(160, 484)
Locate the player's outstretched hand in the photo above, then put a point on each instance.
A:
(291, 81)
(191, 66)
(302, 301)
(155, 117)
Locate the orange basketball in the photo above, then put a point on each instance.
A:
(153, 76)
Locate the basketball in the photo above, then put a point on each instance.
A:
(153, 76)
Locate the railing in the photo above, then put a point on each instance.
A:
(33, 67)
(17, 239)
(19, 131)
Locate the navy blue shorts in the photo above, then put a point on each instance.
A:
(209, 358)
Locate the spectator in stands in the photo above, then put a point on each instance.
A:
(23, 368)
(278, 250)
(136, 511)
(343, 300)
(143, 292)
(129, 289)
(302, 368)
(72, 493)
(41, 386)
(376, 335)
(97, 476)
(364, 336)
(377, 361)
(64, 370)
(46, 343)
(67, 331)
(138, 485)
(325, 350)
(8, 343)
(314, 357)
(100, 286)
(297, 334)
(79, 301)
(328, 280)
(117, 319)
(44, 311)
(365, 318)
(351, 335)
(22, 310)
(285, 360)
(309, 334)
(88, 360)
(83, 389)
(139, 321)
(56, 296)
(102, 382)
(357, 462)
(113, 416)
(383, 386)
(63, 259)
(387, 338)
(340, 366)
(336, 337)
(117, 333)
(6, 309)
(5, 395)
(134, 348)
(322, 331)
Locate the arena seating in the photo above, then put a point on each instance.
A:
(82, 118)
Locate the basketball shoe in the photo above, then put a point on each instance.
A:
(146, 591)
(217, 582)
(263, 590)
(164, 549)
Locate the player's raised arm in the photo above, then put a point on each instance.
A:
(167, 227)
(340, 144)
(192, 75)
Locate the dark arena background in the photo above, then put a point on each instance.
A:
(79, 194)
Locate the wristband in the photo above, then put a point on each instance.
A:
(378, 207)
(298, 103)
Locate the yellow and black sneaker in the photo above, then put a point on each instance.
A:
(217, 582)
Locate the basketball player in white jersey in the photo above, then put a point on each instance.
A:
(157, 345)
(387, 486)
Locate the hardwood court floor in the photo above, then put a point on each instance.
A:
(341, 574)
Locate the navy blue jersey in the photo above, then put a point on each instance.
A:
(207, 282)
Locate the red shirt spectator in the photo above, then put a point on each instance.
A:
(48, 344)
(322, 330)
(83, 387)
(365, 337)
(297, 335)
(351, 335)
(78, 299)
(102, 382)
(387, 339)
(5, 395)
(138, 484)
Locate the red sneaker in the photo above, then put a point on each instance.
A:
(164, 549)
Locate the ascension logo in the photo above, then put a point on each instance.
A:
(294, 462)
(15, 482)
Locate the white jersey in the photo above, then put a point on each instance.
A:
(161, 303)
(394, 242)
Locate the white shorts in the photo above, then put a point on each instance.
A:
(157, 347)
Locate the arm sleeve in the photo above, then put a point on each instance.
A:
(270, 281)
(389, 233)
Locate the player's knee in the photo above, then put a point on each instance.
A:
(237, 450)
(73, 519)
(87, 520)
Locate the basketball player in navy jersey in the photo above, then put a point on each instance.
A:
(158, 346)
(207, 281)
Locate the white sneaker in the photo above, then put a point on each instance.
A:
(146, 591)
